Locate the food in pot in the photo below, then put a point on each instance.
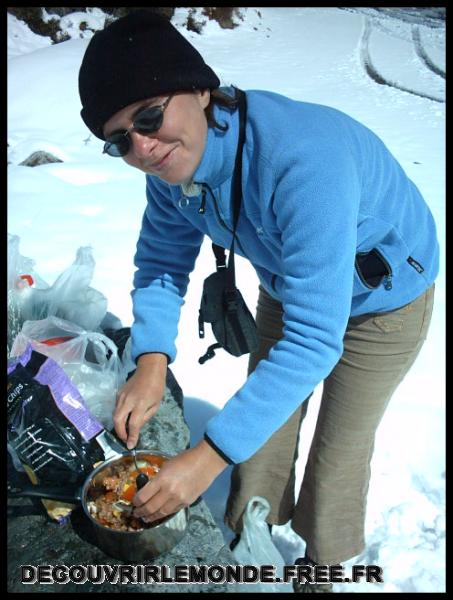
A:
(118, 484)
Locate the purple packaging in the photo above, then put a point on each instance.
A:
(50, 430)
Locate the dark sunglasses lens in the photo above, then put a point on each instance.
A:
(117, 145)
(149, 120)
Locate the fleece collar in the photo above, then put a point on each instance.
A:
(217, 162)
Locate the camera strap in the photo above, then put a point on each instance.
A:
(231, 336)
(236, 197)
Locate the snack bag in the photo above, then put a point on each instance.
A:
(49, 428)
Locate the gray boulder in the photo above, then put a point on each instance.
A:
(39, 158)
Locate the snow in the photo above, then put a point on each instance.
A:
(90, 199)
(21, 40)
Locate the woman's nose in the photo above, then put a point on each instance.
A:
(142, 144)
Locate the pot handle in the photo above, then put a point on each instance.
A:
(109, 445)
(73, 495)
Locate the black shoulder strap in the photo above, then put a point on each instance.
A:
(236, 188)
(236, 192)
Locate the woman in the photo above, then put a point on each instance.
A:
(345, 249)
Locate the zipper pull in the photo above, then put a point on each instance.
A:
(202, 208)
(388, 282)
(200, 325)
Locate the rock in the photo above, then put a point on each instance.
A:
(39, 158)
(164, 432)
(224, 15)
(34, 539)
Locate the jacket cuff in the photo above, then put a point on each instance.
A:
(219, 452)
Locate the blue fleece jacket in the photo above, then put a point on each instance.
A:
(320, 190)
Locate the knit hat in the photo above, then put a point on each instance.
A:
(136, 57)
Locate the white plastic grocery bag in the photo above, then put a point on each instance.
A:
(90, 359)
(257, 548)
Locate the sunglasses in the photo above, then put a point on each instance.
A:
(146, 121)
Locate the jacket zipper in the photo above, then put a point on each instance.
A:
(387, 278)
(202, 210)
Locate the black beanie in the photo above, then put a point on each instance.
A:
(136, 57)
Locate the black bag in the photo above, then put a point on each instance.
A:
(222, 303)
(232, 323)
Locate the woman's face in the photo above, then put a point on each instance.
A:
(174, 151)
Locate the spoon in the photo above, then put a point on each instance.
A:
(140, 481)
(123, 506)
(142, 478)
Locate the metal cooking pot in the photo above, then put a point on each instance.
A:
(129, 546)
(135, 546)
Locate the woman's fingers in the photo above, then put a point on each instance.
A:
(120, 417)
(137, 401)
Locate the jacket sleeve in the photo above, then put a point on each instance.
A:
(167, 248)
(315, 208)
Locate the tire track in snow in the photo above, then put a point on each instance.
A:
(419, 49)
(374, 74)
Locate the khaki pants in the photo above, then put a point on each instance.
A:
(329, 514)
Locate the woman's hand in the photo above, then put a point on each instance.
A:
(140, 397)
(179, 482)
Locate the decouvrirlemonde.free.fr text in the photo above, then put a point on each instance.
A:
(161, 574)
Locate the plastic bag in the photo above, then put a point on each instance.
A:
(21, 277)
(70, 297)
(128, 364)
(257, 548)
(19, 265)
(90, 360)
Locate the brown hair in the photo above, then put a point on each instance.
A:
(221, 99)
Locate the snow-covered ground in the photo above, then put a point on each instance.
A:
(325, 55)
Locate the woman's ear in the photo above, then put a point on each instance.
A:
(204, 96)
